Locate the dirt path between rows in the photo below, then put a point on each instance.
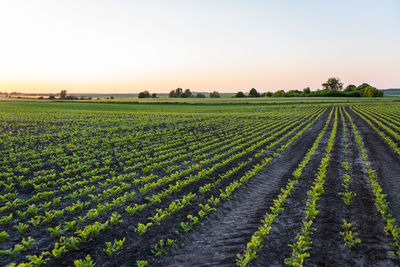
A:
(225, 233)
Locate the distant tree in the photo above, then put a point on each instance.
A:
(253, 93)
(144, 94)
(362, 87)
(279, 93)
(200, 95)
(269, 94)
(292, 93)
(214, 94)
(372, 92)
(111, 97)
(307, 90)
(52, 97)
(154, 95)
(350, 88)
(40, 97)
(188, 93)
(63, 94)
(333, 84)
(175, 93)
(240, 94)
(172, 94)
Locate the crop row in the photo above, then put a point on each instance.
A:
(391, 228)
(303, 238)
(258, 237)
(349, 234)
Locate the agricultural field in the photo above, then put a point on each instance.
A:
(306, 183)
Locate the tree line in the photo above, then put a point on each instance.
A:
(331, 88)
(180, 93)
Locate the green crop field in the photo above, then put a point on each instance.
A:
(165, 182)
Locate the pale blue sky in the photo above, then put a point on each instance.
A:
(129, 46)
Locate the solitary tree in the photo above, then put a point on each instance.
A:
(253, 93)
(63, 94)
(188, 93)
(333, 84)
(307, 90)
(240, 94)
(144, 94)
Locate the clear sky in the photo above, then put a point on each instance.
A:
(228, 45)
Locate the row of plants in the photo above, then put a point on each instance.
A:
(382, 205)
(349, 233)
(257, 239)
(303, 239)
(384, 136)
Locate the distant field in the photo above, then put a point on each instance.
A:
(167, 182)
(222, 100)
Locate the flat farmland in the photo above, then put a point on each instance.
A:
(219, 183)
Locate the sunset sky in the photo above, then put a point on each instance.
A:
(126, 46)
